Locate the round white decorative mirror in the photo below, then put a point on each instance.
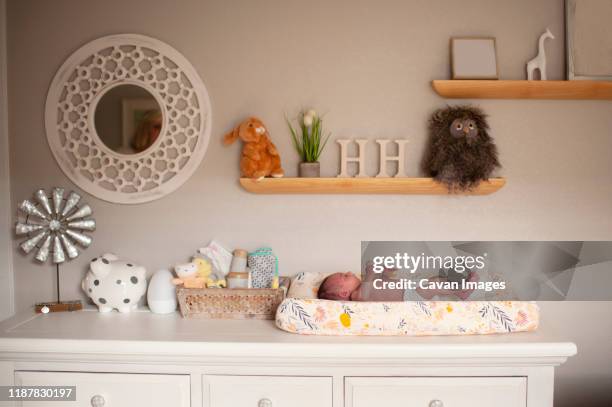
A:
(128, 118)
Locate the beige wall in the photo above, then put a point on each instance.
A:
(368, 65)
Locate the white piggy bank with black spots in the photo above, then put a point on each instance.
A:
(113, 283)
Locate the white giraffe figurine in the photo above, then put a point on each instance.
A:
(539, 62)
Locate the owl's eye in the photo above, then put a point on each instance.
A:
(471, 126)
(459, 126)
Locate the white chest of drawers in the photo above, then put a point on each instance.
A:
(118, 360)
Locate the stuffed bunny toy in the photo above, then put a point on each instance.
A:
(259, 155)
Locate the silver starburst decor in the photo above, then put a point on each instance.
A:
(55, 225)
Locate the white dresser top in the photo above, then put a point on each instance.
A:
(143, 333)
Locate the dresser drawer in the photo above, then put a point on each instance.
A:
(267, 391)
(435, 391)
(115, 390)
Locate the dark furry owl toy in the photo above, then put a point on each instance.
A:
(460, 153)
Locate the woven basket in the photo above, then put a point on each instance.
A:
(231, 303)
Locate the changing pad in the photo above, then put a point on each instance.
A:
(418, 318)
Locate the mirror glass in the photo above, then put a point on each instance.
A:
(128, 119)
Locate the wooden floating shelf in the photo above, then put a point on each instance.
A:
(389, 186)
(477, 89)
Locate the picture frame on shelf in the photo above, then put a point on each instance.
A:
(588, 39)
(474, 58)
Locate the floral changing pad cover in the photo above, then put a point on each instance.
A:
(411, 318)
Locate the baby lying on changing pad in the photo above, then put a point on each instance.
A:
(348, 287)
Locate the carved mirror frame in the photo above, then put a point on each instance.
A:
(78, 86)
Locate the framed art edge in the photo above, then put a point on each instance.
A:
(7, 306)
(570, 10)
(569, 63)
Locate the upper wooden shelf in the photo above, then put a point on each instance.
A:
(389, 186)
(477, 89)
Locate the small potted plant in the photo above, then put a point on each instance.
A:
(309, 143)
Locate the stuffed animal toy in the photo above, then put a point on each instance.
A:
(205, 269)
(460, 152)
(197, 274)
(189, 276)
(259, 155)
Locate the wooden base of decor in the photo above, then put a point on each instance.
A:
(64, 306)
(231, 303)
(390, 186)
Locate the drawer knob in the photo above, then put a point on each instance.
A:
(264, 403)
(97, 401)
(436, 403)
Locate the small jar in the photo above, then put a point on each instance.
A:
(239, 261)
(237, 280)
